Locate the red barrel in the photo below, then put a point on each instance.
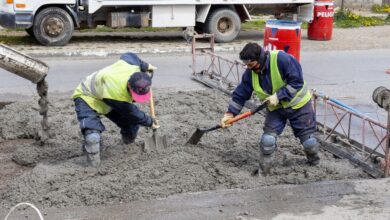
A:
(283, 35)
(321, 27)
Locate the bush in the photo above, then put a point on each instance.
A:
(381, 8)
(347, 18)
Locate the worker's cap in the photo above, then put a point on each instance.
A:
(140, 84)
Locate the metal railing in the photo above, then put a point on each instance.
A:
(366, 135)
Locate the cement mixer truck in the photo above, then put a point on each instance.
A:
(52, 22)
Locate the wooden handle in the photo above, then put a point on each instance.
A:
(239, 117)
(152, 112)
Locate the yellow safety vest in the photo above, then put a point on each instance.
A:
(108, 83)
(302, 97)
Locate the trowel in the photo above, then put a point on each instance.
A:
(155, 143)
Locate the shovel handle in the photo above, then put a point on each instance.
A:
(152, 112)
(239, 117)
(247, 114)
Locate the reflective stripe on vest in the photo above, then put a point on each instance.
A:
(301, 97)
(92, 89)
(108, 83)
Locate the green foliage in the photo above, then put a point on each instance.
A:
(347, 18)
(304, 25)
(254, 24)
(381, 8)
(17, 40)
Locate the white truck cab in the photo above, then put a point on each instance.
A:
(52, 22)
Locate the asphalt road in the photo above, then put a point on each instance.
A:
(347, 75)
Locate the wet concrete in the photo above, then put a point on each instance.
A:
(42, 89)
(3, 104)
(56, 175)
(363, 199)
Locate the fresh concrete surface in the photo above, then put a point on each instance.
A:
(359, 199)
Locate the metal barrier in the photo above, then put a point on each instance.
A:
(339, 123)
(369, 137)
(218, 72)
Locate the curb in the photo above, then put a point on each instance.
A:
(106, 53)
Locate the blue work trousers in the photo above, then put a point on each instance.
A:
(90, 120)
(302, 120)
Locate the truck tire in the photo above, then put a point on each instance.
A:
(53, 27)
(30, 32)
(224, 23)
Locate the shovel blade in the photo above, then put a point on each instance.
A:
(155, 143)
(196, 136)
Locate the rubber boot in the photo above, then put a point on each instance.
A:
(93, 160)
(312, 158)
(311, 148)
(92, 147)
(265, 164)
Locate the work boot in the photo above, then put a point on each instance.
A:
(128, 139)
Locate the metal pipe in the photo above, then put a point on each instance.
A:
(338, 102)
(344, 105)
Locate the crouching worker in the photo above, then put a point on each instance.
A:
(111, 92)
(277, 77)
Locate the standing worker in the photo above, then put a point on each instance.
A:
(111, 91)
(277, 77)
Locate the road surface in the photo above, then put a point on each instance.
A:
(347, 75)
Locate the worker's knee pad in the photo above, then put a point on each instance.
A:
(92, 141)
(267, 143)
(310, 145)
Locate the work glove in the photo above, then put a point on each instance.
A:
(155, 124)
(226, 117)
(273, 100)
(151, 68)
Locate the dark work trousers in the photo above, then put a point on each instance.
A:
(127, 128)
(90, 120)
(302, 120)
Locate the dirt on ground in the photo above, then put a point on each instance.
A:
(55, 175)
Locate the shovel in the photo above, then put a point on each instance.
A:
(195, 138)
(155, 143)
